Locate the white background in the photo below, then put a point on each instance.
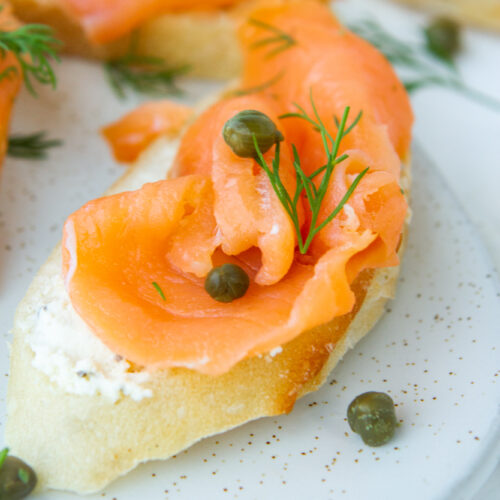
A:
(462, 137)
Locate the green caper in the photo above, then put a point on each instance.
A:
(227, 282)
(17, 479)
(239, 130)
(443, 38)
(372, 416)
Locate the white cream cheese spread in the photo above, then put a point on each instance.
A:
(67, 351)
(64, 347)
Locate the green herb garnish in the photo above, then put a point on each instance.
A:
(3, 456)
(258, 88)
(35, 48)
(23, 475)
(314, 194)
(143, 74)
(159, 290)
(31, 146)
(419, 67)
(277, 42)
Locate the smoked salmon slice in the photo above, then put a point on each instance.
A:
(134, 132)
(119, 251)
(350, 72)
(247, 211)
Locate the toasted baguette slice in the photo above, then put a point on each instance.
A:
(82, 443)
(204, 42)
(481, 13)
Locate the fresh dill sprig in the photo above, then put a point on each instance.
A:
(159, 290)
(35, 48)
(314, 194)
(143, 74)
(418, 66)
(31, 146)
(277, 42)
(257, 88)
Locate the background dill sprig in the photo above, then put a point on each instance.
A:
(143, 74)
(32, 146)
(277, 41)
(35, 48)
(418, 66)
(257, 88)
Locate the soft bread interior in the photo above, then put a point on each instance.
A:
(82, 443)
(481, 13)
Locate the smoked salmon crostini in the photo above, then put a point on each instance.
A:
(199, 36)
(261, 246)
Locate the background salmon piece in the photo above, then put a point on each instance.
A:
(134, 132)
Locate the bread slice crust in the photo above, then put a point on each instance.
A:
(82, 443)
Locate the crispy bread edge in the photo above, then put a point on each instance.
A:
(82, 443)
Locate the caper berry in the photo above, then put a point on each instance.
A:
(227, 282)
(239, 130)
(372, 416)
(443, 38)
(17, 479)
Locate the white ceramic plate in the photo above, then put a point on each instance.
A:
(437, 351)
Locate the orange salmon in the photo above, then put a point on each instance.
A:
(221, 208)
(134, 132)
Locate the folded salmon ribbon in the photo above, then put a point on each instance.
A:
(221, 208)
